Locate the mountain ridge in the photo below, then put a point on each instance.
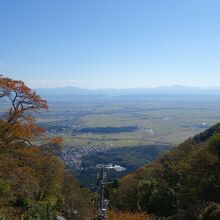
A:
(176, 89)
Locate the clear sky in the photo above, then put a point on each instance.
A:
(111, 43)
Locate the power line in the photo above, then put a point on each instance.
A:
(101, 184)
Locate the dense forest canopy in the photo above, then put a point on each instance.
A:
(183, 184)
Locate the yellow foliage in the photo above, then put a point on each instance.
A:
(117, 215)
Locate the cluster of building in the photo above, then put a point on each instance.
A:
(115, 167)
(72, 155)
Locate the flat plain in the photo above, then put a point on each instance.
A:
(104, 129)
(167, 119)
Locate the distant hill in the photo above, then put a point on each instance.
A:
(184, 90)
(183, 184)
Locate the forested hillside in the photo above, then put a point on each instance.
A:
(183, 184)
(33, 181)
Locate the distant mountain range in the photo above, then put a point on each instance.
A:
(172, 90)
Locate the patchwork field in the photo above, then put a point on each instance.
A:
(105, 121)
(93, 125)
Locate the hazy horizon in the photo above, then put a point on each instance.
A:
(128, 88)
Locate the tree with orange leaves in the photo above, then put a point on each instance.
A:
(31, 178)
(18, 122)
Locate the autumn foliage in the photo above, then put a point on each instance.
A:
(32, 178)
(22, 99)
(18, 121)
(117, 215)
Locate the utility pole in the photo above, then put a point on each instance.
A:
(103, 202)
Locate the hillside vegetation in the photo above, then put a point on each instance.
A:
(33, 181)
(183, 184)
(117, 215)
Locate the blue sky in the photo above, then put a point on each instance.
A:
(111, 43)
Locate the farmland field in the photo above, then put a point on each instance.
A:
(106, 127)
(105, 121)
